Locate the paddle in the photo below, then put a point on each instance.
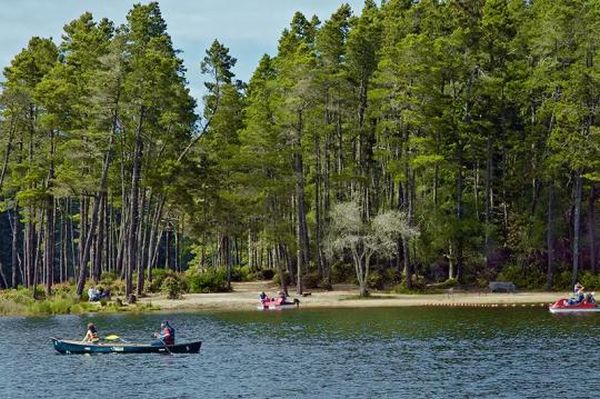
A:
(165, 345)
(114, 337)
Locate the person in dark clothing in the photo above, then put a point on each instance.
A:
(263, 297)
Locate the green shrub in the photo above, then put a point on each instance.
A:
(158, 276)
(286, 276)
(391, 276)
(418, 286)
(9, 307)
(20, 296)
(172, 287)
(111, 282)
(108, 277)
(375, 280)
(590, 281)
(562, 281)
(482, 282)
(402, 289)
(205, 281)
(343, 273)
(326, 284)
(64, 289)
(449, 283)
(241, 273)
(311, 280)
(529, 278)
(116, 287)
(52, 306)
(264, 274)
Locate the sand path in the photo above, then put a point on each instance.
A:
(245, 297)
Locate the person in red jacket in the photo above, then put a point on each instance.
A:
(166, 335)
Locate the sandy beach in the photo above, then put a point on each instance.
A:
(245, 297)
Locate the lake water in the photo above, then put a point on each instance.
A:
(325, 353)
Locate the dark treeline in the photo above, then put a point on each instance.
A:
(478, 120)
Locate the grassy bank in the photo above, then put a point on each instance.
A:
(20, 302)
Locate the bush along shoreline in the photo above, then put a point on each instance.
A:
(27, 302)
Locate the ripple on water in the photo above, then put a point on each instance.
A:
(341, 353)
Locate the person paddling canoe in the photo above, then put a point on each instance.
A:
(166, 335)
(92, 334)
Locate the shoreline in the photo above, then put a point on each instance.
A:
(244, 297)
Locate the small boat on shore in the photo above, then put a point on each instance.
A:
(276, 304)
(564, 306)
(77, 347)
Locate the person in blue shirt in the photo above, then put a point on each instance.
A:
(578, 294)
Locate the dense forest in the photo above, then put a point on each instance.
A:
(466, 132)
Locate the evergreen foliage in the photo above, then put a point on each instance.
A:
(474, 123)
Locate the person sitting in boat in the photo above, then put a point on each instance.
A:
(92, 334)
(282, 298)
(578, 295)
(263, 297)
(589, 298)
(166, 336)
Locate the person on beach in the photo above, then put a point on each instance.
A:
(92, 334)
(166, 335)
(93, 294)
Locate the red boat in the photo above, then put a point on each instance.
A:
(278, 304)
(587, 305)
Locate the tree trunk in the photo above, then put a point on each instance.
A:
(95, 212)
(154, 237)
(138, 265)
(15, 224)
(281, 270)
(576, 226)
(132, 247)
(318, 209)
(488, 199)
(592, 227)
(50, 215)
(450, 261)
(302, 230)
(550, 238)
(459, 216)
(97, 259)
(49, 245)
(3, 282)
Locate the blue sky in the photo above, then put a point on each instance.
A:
(249, 28)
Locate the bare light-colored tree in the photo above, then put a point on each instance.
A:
(348, 232)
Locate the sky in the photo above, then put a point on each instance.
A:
(249, 28)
